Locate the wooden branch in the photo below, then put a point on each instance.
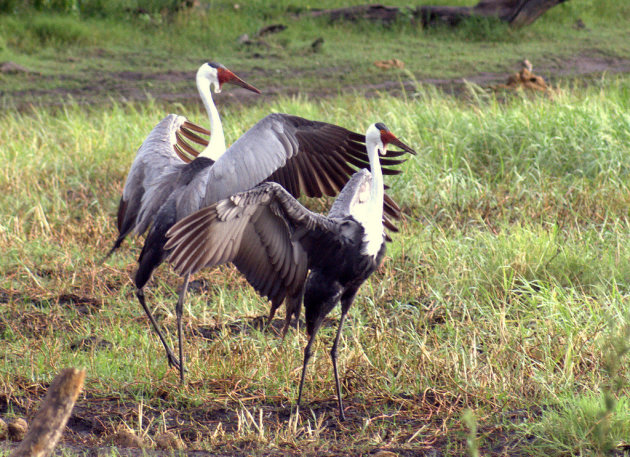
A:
(451, 15)
(517, 13)
(52, 416)
(370, 12)
(503, 9)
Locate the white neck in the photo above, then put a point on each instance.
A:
(377, 191)
(216, 147)
(370, 213)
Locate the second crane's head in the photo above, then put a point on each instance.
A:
(380, 136)
(215, 74)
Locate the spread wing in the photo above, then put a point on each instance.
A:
(265, 232)
(164, 151)
(305, 157)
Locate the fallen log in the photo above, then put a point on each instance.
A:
(517, 13)
(379, 13)
(52, 416)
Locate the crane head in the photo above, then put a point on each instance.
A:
(380, 135)
(216, 75)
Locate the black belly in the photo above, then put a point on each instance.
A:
(326, 286)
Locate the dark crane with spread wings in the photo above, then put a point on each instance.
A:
(273, 240)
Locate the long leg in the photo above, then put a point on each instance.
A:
(345, 306)
(179, 309)
(172, 360)
(320, 297)
(307, 357)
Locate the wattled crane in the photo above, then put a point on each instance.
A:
(165, 148)
(273, 240)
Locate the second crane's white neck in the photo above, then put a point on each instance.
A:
(369, 213)
(216, 147)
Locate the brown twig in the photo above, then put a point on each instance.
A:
(53, 414)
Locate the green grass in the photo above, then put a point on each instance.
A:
(90, 55)
(503, 293)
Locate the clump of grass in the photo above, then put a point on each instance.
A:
(578, 426)
(613, 391)
(591, 11)
(59, 31)
(47, 31)
(476, 29)
(591, 423)
(472, 441)
(114, 9)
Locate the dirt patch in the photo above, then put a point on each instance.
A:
(178, 87)
(32, 324)
(84, 305)
(590, 63)
(12, 68)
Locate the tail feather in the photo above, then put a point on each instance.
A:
(153, 252)
(116, 245)
(125, 221)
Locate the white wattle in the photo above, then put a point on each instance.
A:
(216, 147)
(369, 210)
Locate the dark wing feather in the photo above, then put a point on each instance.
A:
(304, 156)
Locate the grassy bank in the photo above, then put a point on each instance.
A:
(506, 291)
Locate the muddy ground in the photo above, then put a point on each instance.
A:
(218, 427)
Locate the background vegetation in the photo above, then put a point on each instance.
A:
(500, 314)
(136, 50)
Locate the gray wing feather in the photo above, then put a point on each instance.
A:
(262, 150)
(304, 156)
(190, 198)
(254, 230)
(348, 196)
(155, 158)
